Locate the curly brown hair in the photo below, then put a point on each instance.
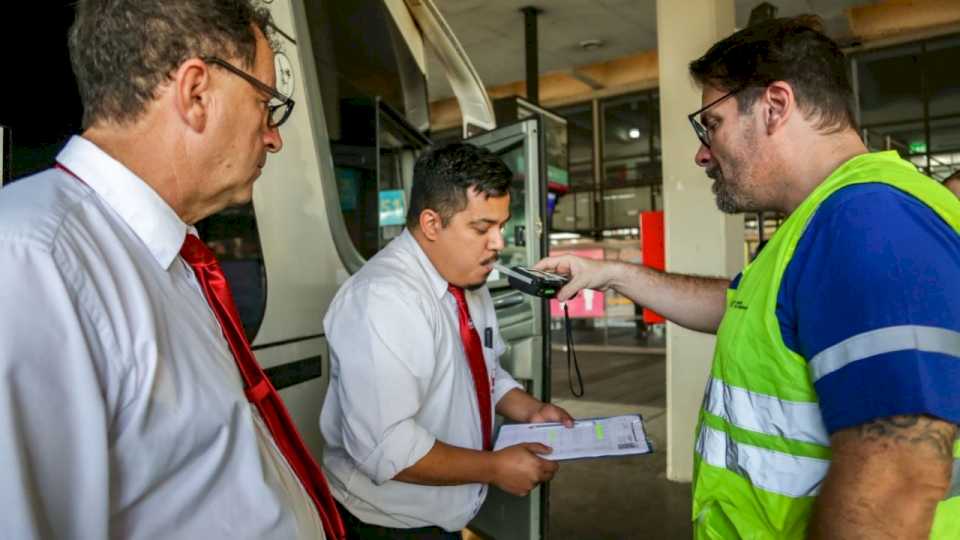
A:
(787, 49)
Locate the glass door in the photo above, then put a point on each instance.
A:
(521, 318)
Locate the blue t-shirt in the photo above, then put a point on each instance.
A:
(872, 298)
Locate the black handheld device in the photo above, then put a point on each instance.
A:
(533, 282)
(546, 285)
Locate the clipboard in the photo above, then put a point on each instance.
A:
(610, 436)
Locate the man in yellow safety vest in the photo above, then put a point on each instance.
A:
(833, 400)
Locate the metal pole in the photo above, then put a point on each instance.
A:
(925, 97)
(599, 178)
(533, 67)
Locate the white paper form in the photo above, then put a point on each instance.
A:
(595, 437)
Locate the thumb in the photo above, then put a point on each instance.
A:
(538, 448)
(571, 289)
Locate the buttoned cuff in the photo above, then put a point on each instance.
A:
(405, 445)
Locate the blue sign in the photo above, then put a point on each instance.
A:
(392, 208)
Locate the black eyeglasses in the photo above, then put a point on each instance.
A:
(702, 133)
(277, 112)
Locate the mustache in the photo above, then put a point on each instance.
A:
(716, 175)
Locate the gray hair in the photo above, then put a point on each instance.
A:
(122, 51)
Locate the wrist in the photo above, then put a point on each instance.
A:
(612, 275)
(492, 470)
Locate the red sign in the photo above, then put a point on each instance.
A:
(654, 255)
(588, 303)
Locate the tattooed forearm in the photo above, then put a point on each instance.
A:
(886, 479)
(916, 430)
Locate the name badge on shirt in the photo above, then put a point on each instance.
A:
(488, 337)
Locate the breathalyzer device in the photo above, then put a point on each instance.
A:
(533, 282)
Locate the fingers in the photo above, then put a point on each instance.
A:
(552, 413)
(548, 469)
(538, 448)
(576, 268)
(562, 415)
(572, 287)
(544, 472)
(528, 469)
(549, 264)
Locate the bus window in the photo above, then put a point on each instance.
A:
(371, 104)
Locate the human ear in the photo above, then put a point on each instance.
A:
(430, 224)
(191, 93)
(780, 102)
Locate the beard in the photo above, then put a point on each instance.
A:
(730, 197)
(725, 196)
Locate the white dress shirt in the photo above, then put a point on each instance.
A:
(122, 412)
(399, 381)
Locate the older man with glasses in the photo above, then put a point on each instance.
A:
(132, 404)
(831, 409)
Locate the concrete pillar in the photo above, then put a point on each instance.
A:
(699, 238)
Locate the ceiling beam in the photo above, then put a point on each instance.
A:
(897, 17)
(586, 79)
(617, 76)
(875, 22)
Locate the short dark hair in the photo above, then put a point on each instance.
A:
(787, 49)
(123, 50)
(443, 175)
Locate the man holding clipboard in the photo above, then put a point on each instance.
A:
(415, 371)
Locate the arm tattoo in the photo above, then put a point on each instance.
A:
(915, 430)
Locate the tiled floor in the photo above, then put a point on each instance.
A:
(617, 498)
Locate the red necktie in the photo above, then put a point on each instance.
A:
(478, 367)
(258, 388)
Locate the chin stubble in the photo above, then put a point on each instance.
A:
(726, 201)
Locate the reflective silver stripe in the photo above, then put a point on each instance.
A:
(797, 420)
(776, 472)
(955, 483)
(884, 340)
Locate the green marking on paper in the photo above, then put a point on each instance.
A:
(552, 436)
(598, 429)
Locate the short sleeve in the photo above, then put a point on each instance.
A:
(871, 299)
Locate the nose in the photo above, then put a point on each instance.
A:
(497, 242)
(272, 140)
(703, 157)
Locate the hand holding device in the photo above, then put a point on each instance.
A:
(533, 282)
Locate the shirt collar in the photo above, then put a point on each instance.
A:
(140, 207)
(438, 285)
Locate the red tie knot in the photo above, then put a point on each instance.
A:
(457, 293)
(195, 252)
